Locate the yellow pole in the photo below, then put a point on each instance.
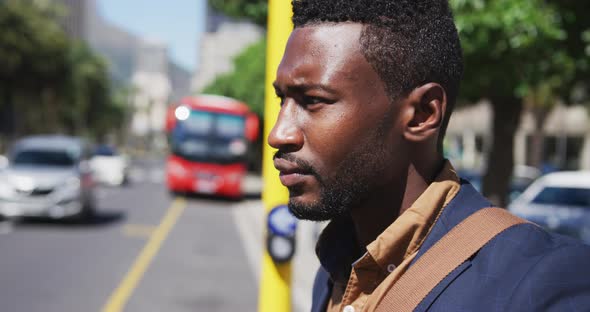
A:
(275, 283)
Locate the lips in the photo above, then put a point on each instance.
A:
(290, 173)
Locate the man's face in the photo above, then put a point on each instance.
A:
(337, 132)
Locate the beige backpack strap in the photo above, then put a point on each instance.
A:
(458, 245)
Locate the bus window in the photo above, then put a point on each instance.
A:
(230, 126)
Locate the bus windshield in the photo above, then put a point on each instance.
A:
(210, 137)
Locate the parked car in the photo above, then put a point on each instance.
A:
(522, 177)
(47, 176)
(109, 166)
(558, 201)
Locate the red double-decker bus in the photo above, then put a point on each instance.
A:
(209, 136)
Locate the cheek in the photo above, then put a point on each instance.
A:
(331, 137)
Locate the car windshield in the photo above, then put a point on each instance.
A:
(53, 158)
(564, 196)
(209, 137)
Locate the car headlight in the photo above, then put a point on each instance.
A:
(6, 190)
(24, 183)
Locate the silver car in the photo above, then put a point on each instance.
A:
(558, 201)
(47, 176)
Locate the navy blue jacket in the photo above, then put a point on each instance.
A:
(523, 269)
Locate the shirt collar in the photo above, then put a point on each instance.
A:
(407, 233)
(337, 247)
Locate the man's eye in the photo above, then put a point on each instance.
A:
(311, 100)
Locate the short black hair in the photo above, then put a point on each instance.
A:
(408, 42)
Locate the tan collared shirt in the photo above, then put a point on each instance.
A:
(359, 284)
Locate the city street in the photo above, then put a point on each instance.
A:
(113, 112)
(146, 251)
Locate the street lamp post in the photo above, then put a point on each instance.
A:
(275, 283)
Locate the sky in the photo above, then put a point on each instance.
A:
(177, 23)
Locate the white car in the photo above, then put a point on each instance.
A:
(47, 176)
(109, 167)
(558, 201)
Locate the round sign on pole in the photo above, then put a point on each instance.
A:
(281, 249)
(281, 222)
(280, 240)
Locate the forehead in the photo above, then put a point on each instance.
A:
(323, 52)
(334, 37)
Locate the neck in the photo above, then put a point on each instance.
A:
(393, 199)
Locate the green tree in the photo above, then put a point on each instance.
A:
(576, 24)
(49, 83)
(254, 10)
(33, 58)
(513, 49)
(246, 81)
(93, 107)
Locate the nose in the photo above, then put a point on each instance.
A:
(286, 135)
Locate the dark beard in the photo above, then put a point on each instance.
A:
(343, 191)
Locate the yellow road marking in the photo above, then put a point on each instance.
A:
(121, 295)
(139, 230)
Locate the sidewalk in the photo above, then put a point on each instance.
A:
(249, 217)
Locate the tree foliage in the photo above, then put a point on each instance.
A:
(33, 48)
(512, 46)
(576, 24)
(254, 10)
(49, 83)
(246, 81)
(94, 107)
(516, 50)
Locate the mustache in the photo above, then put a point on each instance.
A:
(305, 166)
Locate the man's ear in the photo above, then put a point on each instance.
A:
(426, 105)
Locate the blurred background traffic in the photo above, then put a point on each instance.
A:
(131, 142)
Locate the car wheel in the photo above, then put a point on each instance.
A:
(88, 213)
(125, 181)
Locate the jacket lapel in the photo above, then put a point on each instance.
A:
(321, 291)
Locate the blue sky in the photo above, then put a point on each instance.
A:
(178, 23)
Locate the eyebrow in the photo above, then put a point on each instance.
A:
(305, 87)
